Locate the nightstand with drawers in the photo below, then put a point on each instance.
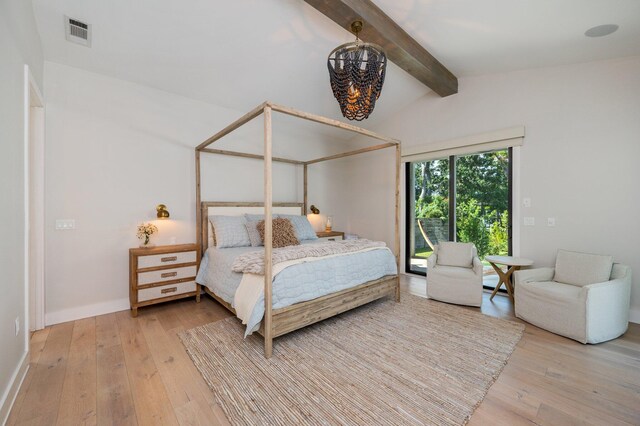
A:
(330, 236)
(163, 273)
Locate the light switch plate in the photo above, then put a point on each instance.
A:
(526, 202)
(551, 221)
(529, 221)
(65, 224)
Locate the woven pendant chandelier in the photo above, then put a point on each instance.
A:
(356, 72)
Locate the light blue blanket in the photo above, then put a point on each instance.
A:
(297, 283)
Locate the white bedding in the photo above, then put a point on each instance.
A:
(304, 280)
(251, 289)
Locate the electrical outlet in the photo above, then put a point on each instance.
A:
(17, 325)
(551, 221)
(65, 224)
(529, 221)
(526, 202)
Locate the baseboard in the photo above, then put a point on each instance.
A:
(11, 392)
(123, 304)
(412, 274)
(86, 311)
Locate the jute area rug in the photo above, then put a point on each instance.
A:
(416, 362)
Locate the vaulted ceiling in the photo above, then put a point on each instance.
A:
(239, 53)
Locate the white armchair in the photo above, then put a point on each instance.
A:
(454, 274)
(585, 297)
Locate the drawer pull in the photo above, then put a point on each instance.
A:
(169, 290)
(169, 274)
(169, 259)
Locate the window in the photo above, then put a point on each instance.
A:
(459, 198)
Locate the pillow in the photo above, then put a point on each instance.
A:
(255, 217)
(283, 233)
(254, 235)
(582, 268)
(230, 231)
(302, 226)
(455, 254)
(212, 234)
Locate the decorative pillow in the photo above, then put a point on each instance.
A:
(455, 254)
(254, 235)
(582, 268)
(302, 226)
(230, 231)
(283, 233)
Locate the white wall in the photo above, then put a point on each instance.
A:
(359, 193)
(581, 153)
(115, 150)
(19, 45)
(21, 24)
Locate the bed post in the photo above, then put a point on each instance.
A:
(199, 241)
(397, 228)
(268, 234)
(304, 204)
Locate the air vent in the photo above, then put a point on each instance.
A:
(77, 31)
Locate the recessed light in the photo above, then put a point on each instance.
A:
(601, 30)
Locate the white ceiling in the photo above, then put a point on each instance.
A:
(472, 37)
(239, 53)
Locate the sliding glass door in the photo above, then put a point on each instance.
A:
(459, 198)
(429, 201)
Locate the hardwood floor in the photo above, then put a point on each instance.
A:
(118, 370)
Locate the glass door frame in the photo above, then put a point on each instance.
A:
(410, 207)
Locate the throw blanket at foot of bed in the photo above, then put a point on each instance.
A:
(253, 262)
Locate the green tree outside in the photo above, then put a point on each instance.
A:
(481, 197)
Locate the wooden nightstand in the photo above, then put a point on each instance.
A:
(330, 236)
(163, 273)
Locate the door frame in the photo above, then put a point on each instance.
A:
(34, 127)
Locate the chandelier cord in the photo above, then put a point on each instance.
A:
(356, 27)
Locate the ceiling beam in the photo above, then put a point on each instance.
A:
(400, 48)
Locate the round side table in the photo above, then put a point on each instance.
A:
(512, 264)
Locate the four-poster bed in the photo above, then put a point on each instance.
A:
(283, 320)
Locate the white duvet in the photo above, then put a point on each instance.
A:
(250, 293)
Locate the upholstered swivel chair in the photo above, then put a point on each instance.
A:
(585, 297)
(454, 274)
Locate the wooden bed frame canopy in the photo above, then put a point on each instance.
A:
(283, 320)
